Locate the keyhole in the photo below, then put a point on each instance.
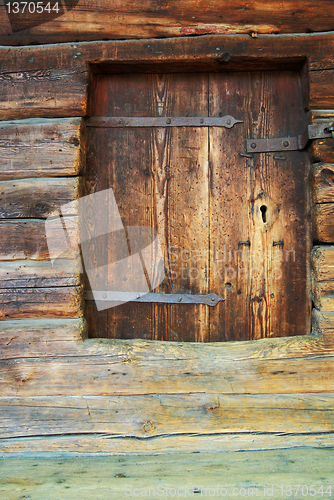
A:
(264, 213)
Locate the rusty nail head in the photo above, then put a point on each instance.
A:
(169, 120)
(286, 144)
(253, 145)
(228, 122)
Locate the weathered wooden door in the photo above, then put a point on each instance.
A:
(229, 223)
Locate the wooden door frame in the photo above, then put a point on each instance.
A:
(52, 82)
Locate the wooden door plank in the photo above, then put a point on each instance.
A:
(263, 270)
(119, 159)
(42, 148)
(183, 227)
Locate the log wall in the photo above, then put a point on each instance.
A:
(140, 396)
(88, 20)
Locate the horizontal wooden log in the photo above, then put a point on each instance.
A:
(57, 302)
(323, 295)
(323, 223)
(158, 415)
(322, 180)
(41, 337)
(169, 446)
(28, 274)
(47, 90)
(42, 148)
(54, 329)
(321, 85)
(268, 366)
(37, 198)
(101, 20)
(323, 323)
(321, 150)
(323, 263)
(26, 239)
(60, 90)
(260, 472)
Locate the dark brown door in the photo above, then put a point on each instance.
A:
(228, 223)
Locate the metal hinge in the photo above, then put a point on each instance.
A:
(318, 131)
(210, 299)
(157, 121)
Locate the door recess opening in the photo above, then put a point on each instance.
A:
(228, 231)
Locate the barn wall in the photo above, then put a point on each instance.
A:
(90, 390)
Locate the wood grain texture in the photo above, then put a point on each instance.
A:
(204, 200)
(321, 89)
(41, 86)
(159, 415)
(36, 198)
(159, 178)
(255, 215)
(323, 263)
(93, 445)
(100, 477)
(111, 367)
(323, 322)
(60, 90)
(322, 181)
(91, 20)
(40, 274)
(321, 150)
(323, 295)
(33, 337)
(42, 148)
(57, 302)
(25, 239)
(281, 51)
(323, 223)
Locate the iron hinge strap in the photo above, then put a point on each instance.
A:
(210, 299)
(316, 131)
(158, 121)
